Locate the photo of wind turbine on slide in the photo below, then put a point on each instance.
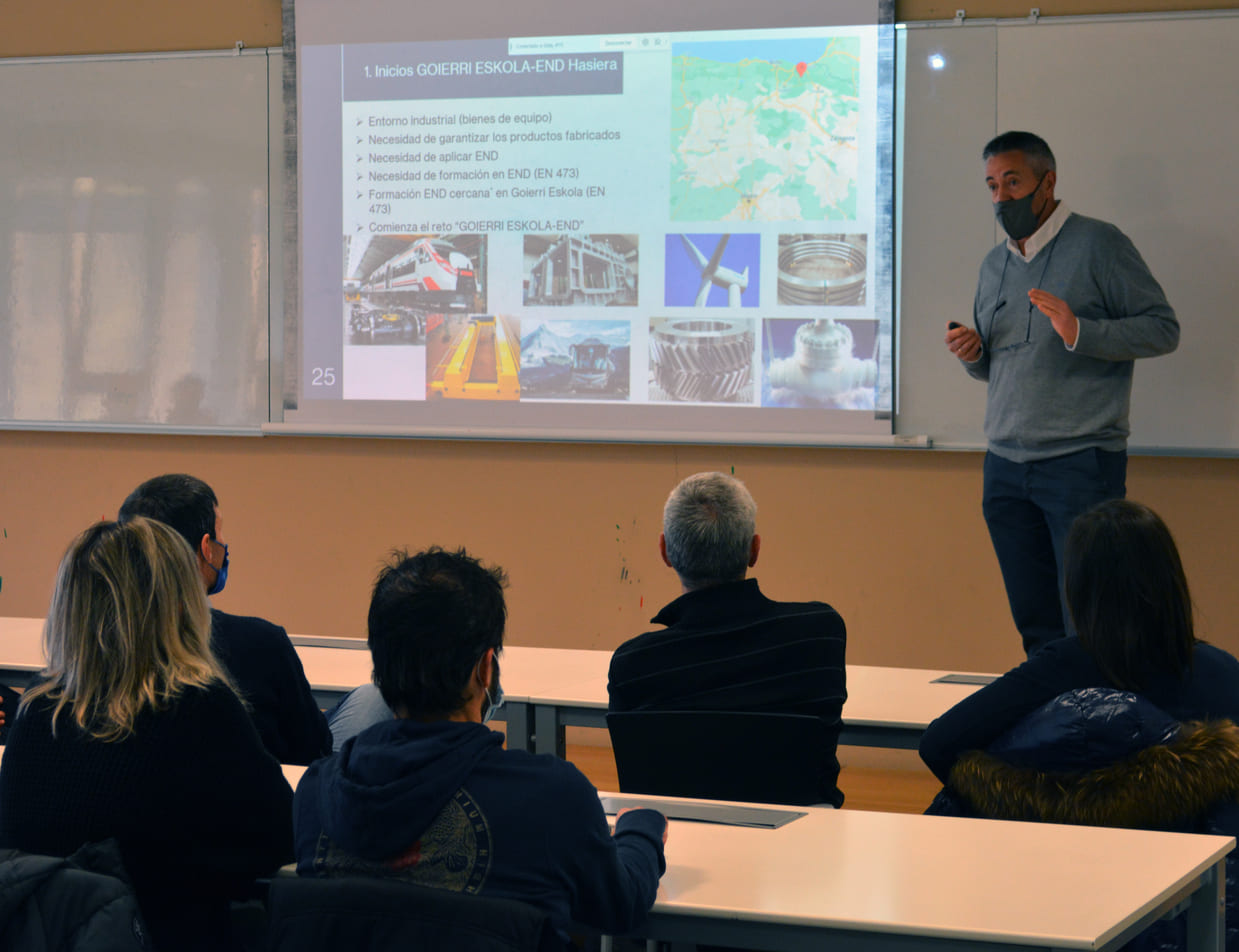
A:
(713, 273)
(712, 270)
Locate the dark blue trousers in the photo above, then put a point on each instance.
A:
(1028, 508)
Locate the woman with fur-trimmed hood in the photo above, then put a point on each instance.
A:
(1101, 757)
(1130, 724)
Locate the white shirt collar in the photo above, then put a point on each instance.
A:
(1043, 235)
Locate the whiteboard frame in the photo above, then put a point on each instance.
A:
(953, 386)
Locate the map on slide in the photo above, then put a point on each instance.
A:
(765, 130)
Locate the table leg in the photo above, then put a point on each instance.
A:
(1206, 925)
(519, 724)
(548, 732)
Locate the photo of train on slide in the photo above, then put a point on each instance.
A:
(395, 285)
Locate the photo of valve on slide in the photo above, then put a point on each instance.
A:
(702, 360)
(819, 363)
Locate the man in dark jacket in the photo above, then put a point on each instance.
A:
(726, 646)
(431, 797)
(257, 654)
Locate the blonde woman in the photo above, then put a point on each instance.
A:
(135, 732)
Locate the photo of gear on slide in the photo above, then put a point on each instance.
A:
(702, 360)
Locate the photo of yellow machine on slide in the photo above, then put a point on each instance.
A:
(473, 357)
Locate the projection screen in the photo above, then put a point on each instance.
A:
(634, 221)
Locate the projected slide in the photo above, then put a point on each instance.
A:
(656, 231)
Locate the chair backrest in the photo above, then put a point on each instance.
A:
(80, 904)
(365, 914)
(722, 755)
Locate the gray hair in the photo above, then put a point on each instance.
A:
(1036, 150)
(709, 522)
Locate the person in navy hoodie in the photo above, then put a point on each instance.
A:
(431, 797)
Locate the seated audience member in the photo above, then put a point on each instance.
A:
(431, 797)
(135, 733)
(1103, 757)
(726, 646)
(257, 654)
(1143, 734)
(1128, 598)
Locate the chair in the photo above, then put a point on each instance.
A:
(723, 755)
(80, 904)
(365, 914)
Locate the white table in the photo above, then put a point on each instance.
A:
(21, 650)
(869, 882)
(549, 689)
(855, 880)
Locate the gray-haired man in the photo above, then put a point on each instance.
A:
(726, 646)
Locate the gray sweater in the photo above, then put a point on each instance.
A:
(1044, 400)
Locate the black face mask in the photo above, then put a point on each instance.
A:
(1016, 215)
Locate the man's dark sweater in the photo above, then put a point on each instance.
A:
(729, 648)
(268, 673)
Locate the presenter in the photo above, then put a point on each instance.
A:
(1062, 310)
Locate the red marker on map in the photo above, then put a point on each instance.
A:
(801, 67)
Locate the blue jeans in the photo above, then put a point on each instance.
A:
(1028, 508)
(362, 707)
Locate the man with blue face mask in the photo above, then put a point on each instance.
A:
(257, 654)
(429, 795)
(1063, 308)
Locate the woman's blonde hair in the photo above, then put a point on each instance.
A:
(129, 628)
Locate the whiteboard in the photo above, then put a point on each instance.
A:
(134, 220)
(134, 242)
(1140, 113)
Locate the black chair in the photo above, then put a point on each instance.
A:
(723, 755)
(365, 914)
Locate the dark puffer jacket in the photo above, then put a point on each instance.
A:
(80, 903)
(1103, 757)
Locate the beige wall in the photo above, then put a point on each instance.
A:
(893, 538)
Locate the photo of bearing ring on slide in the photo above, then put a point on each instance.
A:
(822, 269)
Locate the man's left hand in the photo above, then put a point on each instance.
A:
(1066, 324)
